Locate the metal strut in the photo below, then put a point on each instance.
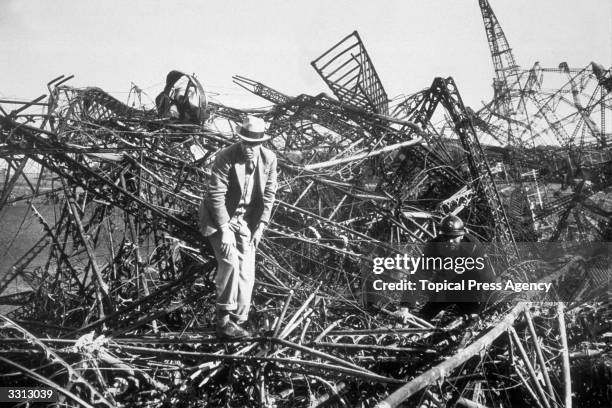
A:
(479, 168)
(348, 70)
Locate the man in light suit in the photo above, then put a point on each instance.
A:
(234, 216)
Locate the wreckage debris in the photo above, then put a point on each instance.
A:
(114, 302)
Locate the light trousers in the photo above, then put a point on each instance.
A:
(235, 276)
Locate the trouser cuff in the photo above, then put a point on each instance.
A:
(227, 306)
(239, 318)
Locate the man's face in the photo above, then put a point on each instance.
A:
(249, 150)
(453, 242)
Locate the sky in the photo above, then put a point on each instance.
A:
(112, 43)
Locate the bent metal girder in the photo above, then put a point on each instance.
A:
(420, 109)
(506, 69)
(347, 69)
(479, 168)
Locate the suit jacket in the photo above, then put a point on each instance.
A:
(225, 189)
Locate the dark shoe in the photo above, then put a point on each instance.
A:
(231, 331)
(247, 327)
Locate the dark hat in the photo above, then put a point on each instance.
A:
(452, 226)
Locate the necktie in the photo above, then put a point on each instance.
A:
(250, 166)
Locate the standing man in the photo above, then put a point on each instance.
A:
(233, 216)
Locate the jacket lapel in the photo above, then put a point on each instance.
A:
(261, 168)
(240, 172)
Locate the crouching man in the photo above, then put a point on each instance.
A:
(453, 242)
(234, 216)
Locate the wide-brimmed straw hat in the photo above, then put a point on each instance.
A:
(252, 130)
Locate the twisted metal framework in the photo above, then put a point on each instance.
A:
(347, 69)
(555, 121)
(121, 285)
(155, 281)
(479, 167)
(527, 114)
